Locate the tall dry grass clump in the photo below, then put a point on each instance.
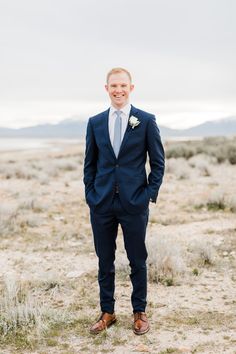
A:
(20, 311)
(25, 318)
(8, 219)
(13, 216)
(202, 253)
(202, 163)
(218, 200)
(178, 167)
(165, 261)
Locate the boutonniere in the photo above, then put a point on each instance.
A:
(134, 122)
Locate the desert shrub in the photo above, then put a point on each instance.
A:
(34, 204)
(18, 171)
(52, 168)
(19, 310)
(39, 170)
(25, 318)
(220, 148)
(8, 219)
(65, 164)
(195, 271)
(232, 203)
(43, 179)
(171, 165)
(31, 220)
(165, 261)
(13, 216)
(179, 167)
(218, 201)
(202, 163)
(231, 154)
(204, 170)
(180, 150)
(202, 253)
(223, 149)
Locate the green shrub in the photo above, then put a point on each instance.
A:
(222, 148)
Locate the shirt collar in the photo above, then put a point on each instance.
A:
(126, 109)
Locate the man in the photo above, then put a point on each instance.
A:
(118, 192)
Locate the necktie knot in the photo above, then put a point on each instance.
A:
(118, 113)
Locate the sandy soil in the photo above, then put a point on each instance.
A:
(48, 241)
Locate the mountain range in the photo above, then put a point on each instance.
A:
(74, 128)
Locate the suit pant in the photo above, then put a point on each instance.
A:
(105, 228)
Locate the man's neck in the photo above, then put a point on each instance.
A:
(120, 107)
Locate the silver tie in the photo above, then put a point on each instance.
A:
(117, 133)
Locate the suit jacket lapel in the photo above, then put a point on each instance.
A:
(133, 112)
(106, 131)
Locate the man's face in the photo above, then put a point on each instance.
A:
(119, 88)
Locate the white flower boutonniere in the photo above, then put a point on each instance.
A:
(134, 122)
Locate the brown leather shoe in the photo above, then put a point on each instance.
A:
(105, 320)
(141, 324)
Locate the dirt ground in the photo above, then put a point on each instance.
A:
(46, 243)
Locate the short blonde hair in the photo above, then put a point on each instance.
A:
(118, 70)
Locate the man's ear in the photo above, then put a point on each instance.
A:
(131, 87)
(106, 87)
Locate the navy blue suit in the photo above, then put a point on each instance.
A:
(118, 191)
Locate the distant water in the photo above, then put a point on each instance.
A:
(182, 138)
(21, 144)
(16, 144)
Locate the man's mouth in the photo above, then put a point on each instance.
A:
(118, 96)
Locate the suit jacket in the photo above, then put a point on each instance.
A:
(104, 173)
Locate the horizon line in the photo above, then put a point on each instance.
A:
(228, 117)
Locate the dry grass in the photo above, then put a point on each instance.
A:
(222, 149)
(202, 253)
(165, 260)
(19, 309)
(178, 167)
(218, 200)
(202, 163)
(8, 216)
(26, 319)
(46, 241)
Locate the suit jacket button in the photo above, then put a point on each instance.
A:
(117, 165)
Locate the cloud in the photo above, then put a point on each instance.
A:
(56, 51)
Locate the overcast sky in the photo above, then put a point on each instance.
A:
(55, 55)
